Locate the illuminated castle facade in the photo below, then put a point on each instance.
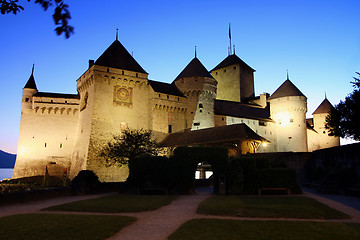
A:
(62, 133)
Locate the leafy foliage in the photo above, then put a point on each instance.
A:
(344, 119)
(61, 14)
(130, 144)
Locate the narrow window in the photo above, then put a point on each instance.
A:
(215, 73)
(27, 99)
(200, 110)
(234, 68)
(224, 70)
(223, 119)
(137, 75)
(65, 102)
(122, 72)
(107, 69)
(159, 95)
(45, 144)
(60, 145)
(201, 105)
(167, 96)
(169, 129)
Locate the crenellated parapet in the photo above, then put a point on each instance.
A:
(169, 108)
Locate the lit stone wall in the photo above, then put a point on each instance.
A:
(289, 115)
(320, 139)
(47, 135)
(228, 87)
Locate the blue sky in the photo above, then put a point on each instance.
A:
(317, 41)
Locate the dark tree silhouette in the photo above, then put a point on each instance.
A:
(61, 14)
(130, 144)
(344, 119)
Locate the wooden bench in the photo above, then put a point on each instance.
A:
(282, 190)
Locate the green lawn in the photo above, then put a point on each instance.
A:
(215, 229)
(269, 207)
(61, 226)
(116, 204)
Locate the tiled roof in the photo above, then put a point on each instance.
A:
(194, 69)
(214, 135)
(324, 107)
(56, 95)
(165, 88)
(286, 89)
(231, 60)
(116, 56)
(236, 109)
(31, 83)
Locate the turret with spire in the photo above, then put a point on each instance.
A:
(28, 92)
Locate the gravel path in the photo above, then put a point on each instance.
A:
(159, 224)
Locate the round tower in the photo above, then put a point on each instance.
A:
(197, 84)
(28, 92)
(288, 107)
(319, 120)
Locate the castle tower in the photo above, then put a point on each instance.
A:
(114, 95)
(235, 79)
(319, 119)
(28, 92)
(196, 83)
(288, 107)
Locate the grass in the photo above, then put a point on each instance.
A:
(269, 207)
(116, 204)
(60, 226)
(208, 229)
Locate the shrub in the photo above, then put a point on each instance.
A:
(278, 178)
(85, 182)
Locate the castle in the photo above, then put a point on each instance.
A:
(61, 134)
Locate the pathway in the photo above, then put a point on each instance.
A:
(160, 223)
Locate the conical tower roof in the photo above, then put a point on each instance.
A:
(286, 89)
(116, 56)
(231, 60)
(324, 107)
(194, 69)
(31, 82)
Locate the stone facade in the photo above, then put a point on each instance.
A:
(64, 132)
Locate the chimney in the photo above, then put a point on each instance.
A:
(91, 62)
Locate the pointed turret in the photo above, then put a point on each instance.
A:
(116, 56)
(194, 69)
(288, 107)
(31, 82)
(28, 92)
(286, 89)
(324, 107)
(199, 86)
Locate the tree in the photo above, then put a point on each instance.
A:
(344, 119)
(61, 14)
(130, 144)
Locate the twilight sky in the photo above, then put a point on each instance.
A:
(318, 41)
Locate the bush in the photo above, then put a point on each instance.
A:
(85, 182)
(278, 178)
